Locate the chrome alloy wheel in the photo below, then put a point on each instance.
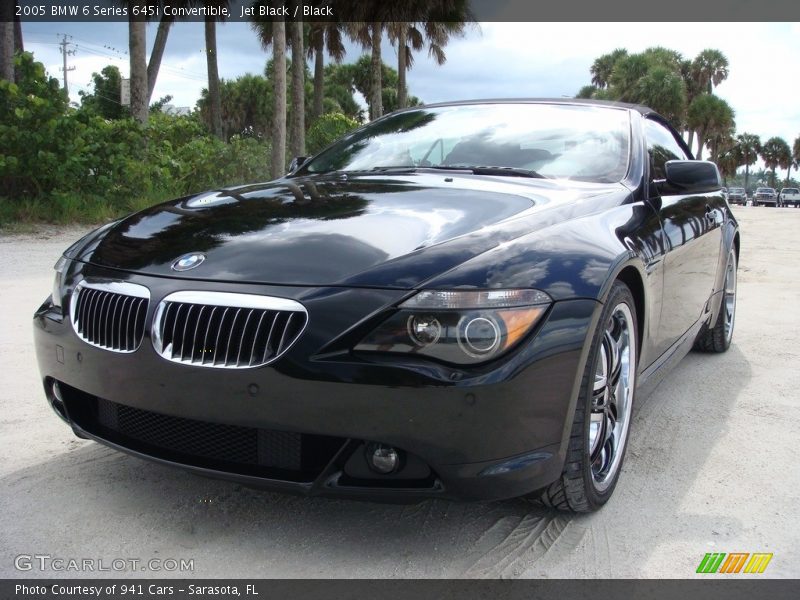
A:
(729, 299)
(612, 396)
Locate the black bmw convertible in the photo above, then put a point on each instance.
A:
(458, 300)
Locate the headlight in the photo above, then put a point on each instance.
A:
(58, 282)
(461, 327)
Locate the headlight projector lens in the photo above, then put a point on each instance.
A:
(479, 336)
(424, 330)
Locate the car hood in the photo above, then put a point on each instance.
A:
(380, 231)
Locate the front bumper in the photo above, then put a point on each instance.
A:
(491, 434)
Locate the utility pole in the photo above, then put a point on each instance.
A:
(64, 43)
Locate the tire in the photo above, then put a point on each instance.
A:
(717, 338)
(597, 442)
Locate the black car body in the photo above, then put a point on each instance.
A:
(332, 261)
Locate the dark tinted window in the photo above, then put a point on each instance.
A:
(662, 146)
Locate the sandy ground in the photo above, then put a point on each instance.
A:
(712, 466)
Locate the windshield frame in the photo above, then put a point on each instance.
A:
(304, 169)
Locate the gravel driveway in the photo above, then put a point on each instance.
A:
(711, 467)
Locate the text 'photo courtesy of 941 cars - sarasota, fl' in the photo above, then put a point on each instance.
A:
(458, 300)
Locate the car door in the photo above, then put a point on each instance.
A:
(692, 229)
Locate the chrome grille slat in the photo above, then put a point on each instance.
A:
(196, 327)
(255, 338)
(244, 334)
(102, 313)
(226, 330)
(269, 335)
(219, 332)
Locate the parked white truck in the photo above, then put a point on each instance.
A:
(789, 197)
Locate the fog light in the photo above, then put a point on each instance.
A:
(57, 401)
(57, 393)
(382, 459)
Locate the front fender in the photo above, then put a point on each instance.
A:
(578, 258)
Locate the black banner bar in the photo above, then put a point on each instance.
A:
(397, 10)
(356, 589)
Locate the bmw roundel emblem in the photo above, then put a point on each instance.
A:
(188, 261)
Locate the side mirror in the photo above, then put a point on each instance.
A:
(297, 162)
(690, 177)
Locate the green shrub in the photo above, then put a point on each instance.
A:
(328, 129)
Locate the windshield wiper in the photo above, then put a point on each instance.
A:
(489, 170)
(475, 170)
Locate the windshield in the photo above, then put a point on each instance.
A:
(737, 190)
(585, 143)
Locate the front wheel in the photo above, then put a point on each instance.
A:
(602, 418)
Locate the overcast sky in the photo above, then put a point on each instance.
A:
(493, 60)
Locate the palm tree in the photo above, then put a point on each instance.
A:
(157, 53)
(750, 147)
(370, 19)
(662, 90)
(279, 87)
(729, 158)
(297, 132)
(266, 34)
(626, 74)
(795, 160)
(603, 66)
(137, 33)
(323, 37)
(709, 69)
(706, 115)
(775, 153)
(369, 34)
(439, 21)
(214, 100)
(7, 40)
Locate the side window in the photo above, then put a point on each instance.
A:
(661, 146)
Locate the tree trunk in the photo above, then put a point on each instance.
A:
(137, 31)
(376, 85)
(279, 87)
(402, 41)
(297, 138)
(18, 45)
(319, 76)
(691, 138)
(7, 40)
(157, 54)
(701, 135)
(788, 170)
(746, 172)
(214, 100)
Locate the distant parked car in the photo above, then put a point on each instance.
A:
(737, 195)
(765, 196)
(789, 196)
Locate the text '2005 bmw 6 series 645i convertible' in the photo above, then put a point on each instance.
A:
(459, 300)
